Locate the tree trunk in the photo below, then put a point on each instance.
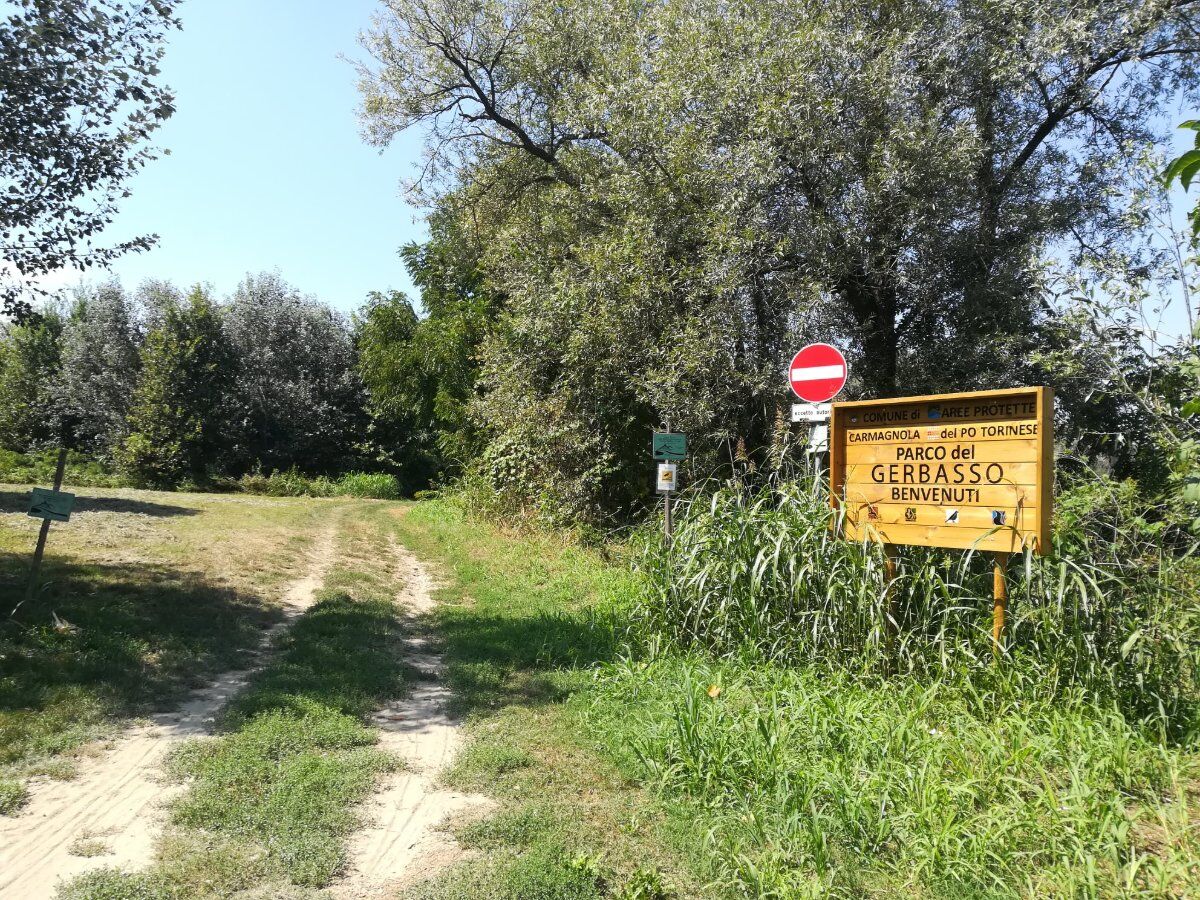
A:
(874, 307)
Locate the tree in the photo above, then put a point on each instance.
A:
(672, 195)
(422, 372)
(100, 365)
(297, 400)
(29, 367)
(178, 422)
(79, 99)
(402, 432)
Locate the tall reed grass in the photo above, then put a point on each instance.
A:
(759, 570)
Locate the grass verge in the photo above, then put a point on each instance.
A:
(665, 772)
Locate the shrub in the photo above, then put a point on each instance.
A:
(762, 571)
(12, 796)
(375, 486)
(366, 485)
(37, 467)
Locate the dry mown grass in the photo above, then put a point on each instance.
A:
(143, 595)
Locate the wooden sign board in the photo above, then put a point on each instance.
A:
(970, 471)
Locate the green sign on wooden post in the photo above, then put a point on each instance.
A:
(48, 506)
(53, 505)
(669, 446)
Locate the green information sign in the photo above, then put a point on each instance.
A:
(669, 446)
(53, 505)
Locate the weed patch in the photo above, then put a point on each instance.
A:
(543, 873)
(13, 795)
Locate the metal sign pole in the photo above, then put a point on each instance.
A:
(667, 503)
(45, 531)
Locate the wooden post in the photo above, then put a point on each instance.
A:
(667, 514)
(45, 532)
(999, 600)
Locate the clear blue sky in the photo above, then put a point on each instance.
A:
(267, 169)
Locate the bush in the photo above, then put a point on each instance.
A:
(13, 795)
(762, 571)
(375, 486)
(37, 467)
(84, 471)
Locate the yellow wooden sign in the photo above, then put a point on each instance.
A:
(967, 471)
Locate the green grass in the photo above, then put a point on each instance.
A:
(102, 643)
(829, 757)
(364, 485)
(38, 467)
(807, 756)
(527, 620)
(542, 872)
(817, 783)
(13, 795)
(143, 596)
(793, 764)
(1115, 614)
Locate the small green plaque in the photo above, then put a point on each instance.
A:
(669, 446)
(53, 505)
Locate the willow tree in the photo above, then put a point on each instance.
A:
(80, 99)
(671, 194)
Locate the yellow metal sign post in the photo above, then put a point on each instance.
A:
(970, 471)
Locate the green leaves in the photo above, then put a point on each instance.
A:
(81, 97)
(671, 197)
(1184, 170)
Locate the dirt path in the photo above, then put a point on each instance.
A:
(115, 805)
(401, 841)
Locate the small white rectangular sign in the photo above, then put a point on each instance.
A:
(811, 412)
(666, 476)
(818, 440)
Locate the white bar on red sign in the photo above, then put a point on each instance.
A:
(817, 373)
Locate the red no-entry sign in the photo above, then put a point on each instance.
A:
(818, 373)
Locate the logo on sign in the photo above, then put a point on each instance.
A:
(952, 517)
(998, 517)
(910, 514)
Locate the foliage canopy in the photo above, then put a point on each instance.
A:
(671, 196)
(79, 99)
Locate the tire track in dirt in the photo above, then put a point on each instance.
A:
(118, 797)
(401, 841)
